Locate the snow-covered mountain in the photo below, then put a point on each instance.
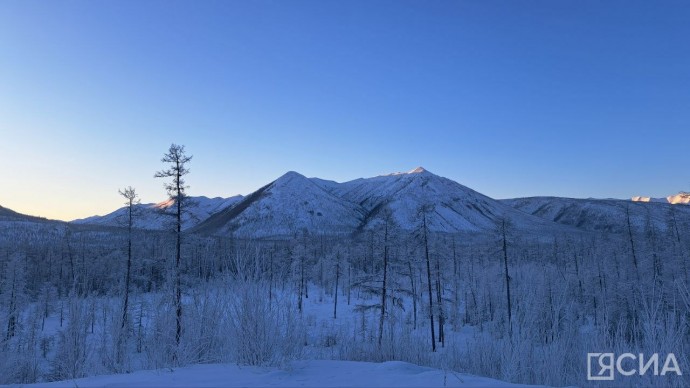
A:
(14, 226)
(158, 216)
(608, 215)
(11, 215)
(453, 207)
(287, 206)
(293, 203)
(680, 198)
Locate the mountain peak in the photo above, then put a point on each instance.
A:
(291, 174)
(418, 170)
(680, 198)
(290, 178)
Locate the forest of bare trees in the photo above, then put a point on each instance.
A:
(78, 300)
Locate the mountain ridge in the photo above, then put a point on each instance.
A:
(288, 205)
(363, 204)
(293, 204)
(602, 215)
(154, 216)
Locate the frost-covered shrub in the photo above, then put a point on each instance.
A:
(73, 349)
(264, 332)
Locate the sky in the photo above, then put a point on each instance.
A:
(511, 98)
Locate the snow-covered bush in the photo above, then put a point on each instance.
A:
(263, 332)
(73, 350)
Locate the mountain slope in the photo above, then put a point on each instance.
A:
(157, 216)
(454, 207)
(15, 226)
(11, 215)
(289, 205)
(608, 215)
(293, 204)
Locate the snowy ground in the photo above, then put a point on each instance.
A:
(312, 373)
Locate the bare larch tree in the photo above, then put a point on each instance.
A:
(176, 191)
(131, 197)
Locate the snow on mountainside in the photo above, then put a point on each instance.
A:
(157, 216)
(607, 215)
(10, 219)
(11, 215)
(294, 203)
(456, 208)
(680, 198)
(315, 373)
(15, 225)
(286, 206)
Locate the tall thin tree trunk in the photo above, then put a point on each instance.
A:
(428, 278)
(414, 292)
(12, 319)
(335, 294)
(384, 289)
(270, 278)
(140, 325)
(439, 300)
(632, 244)
(125, 304)
(301, 284)
(71, 264)
(349, 282)
(681, 252)
(178, 260)
(507, 277)
(456, 290)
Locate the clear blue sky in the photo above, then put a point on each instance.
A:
(511, 98)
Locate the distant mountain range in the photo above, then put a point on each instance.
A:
(7, 215)
(294, 204)
(158, 216)
(606, 215)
